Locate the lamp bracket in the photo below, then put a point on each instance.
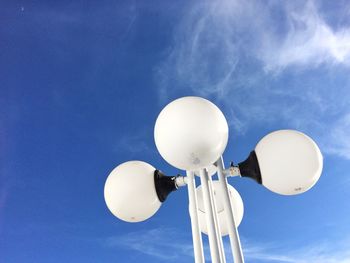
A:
(232, 171)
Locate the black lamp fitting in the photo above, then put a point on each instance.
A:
(250, 168)
(164, 185)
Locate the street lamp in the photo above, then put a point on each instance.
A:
(286, 162)
(191, 134)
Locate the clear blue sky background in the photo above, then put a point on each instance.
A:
(81, 85)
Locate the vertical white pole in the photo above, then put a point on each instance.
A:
(196, 233)
(212, 234)
(232, 228)
(216, 221)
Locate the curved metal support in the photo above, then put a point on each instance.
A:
(232, 228)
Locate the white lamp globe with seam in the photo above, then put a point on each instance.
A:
(130, 192)
(237, 207)
(287, 162)
(191, 133)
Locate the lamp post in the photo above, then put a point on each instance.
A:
(191, 134)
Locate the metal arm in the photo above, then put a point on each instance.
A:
(196, 233)
(232, 228)
(209, 212)
(232, 171)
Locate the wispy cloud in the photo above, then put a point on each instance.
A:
(170, 245)
(132, 143)
(309, 41)
(265, 63)
(322, 252)
(162, 243)
(340, 137)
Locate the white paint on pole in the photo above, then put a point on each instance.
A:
(232, 229)
(216, 221)
(212, 231)
(196, 233)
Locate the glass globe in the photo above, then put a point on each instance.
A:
(237, 207)
(290, 162)
(191, 133)
(130, 192)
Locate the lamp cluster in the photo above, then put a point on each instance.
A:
(191, 134)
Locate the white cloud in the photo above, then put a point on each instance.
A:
(134, 143)
(170, 245)
(339, 138)
(162, 243)
(264, 63)
(309, 41)
(322, 252)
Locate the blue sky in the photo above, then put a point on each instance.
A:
(81, 85)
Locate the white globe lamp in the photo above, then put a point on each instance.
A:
(237, 207)
(130, 192)
(191, 133)
(287, 162)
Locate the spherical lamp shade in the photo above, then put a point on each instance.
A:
(191, 133)
(130, 192)
(290, 162)
(237, 206)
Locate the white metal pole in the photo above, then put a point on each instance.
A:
(216, 221)
(212, 234)
(196, 233)
(232, 228)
